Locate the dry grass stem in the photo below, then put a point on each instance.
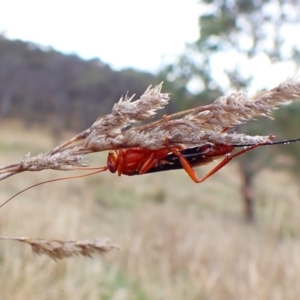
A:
(58, 249)
(191, 127)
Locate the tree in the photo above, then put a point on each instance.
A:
(234, 35)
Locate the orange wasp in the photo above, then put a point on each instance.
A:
(138, 161)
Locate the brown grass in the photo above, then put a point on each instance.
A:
(196, 126)
(178, 240)
(60, 249)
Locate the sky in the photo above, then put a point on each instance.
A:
(137, 34)
(122, 33)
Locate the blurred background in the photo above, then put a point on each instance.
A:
(65, 63)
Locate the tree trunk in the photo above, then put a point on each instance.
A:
(247, 192)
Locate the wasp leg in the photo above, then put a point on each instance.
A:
(148, 164)
(191, 172)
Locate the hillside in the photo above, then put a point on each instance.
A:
(44, 86)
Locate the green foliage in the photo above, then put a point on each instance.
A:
(210, 26)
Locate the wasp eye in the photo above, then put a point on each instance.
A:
(112, 162)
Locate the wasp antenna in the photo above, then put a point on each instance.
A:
(283, 142)
(53, 180)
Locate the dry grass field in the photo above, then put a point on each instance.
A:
(178, 240)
